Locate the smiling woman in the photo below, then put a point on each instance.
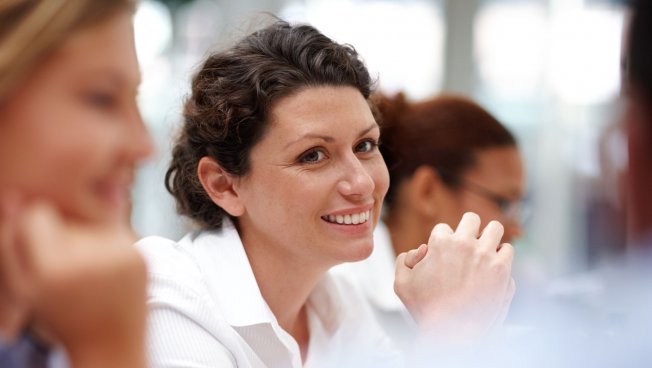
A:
(334, 169)
(278, 164)
(70, 137)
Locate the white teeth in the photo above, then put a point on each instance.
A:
(349, 219)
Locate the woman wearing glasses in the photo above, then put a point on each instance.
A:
(446, 156)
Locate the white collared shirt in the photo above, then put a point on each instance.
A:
(206, 310)
(374, 276)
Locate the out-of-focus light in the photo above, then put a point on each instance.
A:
(153, 30)
(585, 55)
(401, 43)
(510, 48)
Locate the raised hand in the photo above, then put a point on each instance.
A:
(83, 286)
(459, 285)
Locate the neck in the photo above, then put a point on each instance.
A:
(285, 283)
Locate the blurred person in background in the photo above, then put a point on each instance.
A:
(446, 156)
(638, 124)
(70, 138)
(610, 325)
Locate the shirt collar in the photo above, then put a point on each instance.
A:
(231, 283)
(227, 273)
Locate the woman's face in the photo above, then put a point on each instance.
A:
(317, 179)
(71, 133)
(498, 171)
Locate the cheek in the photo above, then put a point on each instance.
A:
(485, 209)
(380, 176)
(275, 192)
(58, 163)
(64, 168)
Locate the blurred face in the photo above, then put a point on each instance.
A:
(498, 176)
(71, 133)
(317, 179)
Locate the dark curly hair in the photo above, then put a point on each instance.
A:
(443, 132)
(232, 95)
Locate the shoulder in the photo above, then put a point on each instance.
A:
(168, 258)
(176, 283)
(184, 324)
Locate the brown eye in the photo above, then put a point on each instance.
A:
(366, 146)
(312, 156)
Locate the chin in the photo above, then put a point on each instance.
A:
(359, 252)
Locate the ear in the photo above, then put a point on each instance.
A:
(219, 185)
(424, 190)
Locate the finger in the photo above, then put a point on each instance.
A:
(414, 256)
(469, 226)
(13, 314)
(8, 213)
(491, 235)
(439, 231)
(118, 233)
(401, 271)
(506, 253)
(40, 245)
(13, 277)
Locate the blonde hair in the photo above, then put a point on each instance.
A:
(31, 29)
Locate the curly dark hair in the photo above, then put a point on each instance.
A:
(232, 95)
(443, 132)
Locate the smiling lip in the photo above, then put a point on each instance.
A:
(353, 216)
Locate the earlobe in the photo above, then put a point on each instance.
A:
(219, 185)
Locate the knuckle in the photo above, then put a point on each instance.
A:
(496, 224)
(509, 249)
(507, 246)
(471, 216)
(500, 268)
(465, 245)
(400, 284)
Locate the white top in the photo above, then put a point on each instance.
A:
(206, 310)
(375, 278)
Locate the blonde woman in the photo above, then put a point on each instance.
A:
(70, 138)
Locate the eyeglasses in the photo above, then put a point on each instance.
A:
(516, 210)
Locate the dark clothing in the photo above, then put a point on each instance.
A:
(26, 352)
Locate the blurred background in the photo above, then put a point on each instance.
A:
(548, 69)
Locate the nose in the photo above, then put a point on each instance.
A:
(356, 180)
(138, 141)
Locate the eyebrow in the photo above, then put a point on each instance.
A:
(327, 138)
